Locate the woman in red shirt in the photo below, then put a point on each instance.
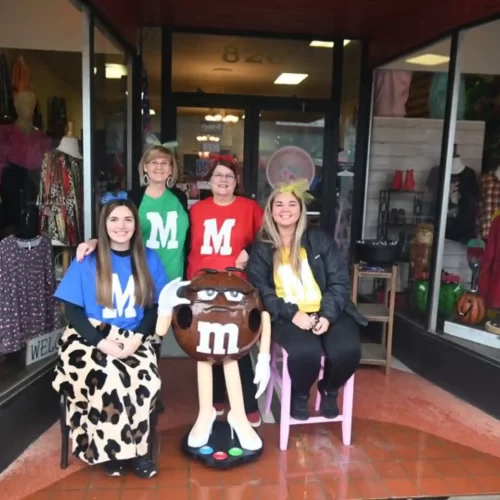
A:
(223, 228)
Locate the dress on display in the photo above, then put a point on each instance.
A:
(61, 198)
(489, 202)
(27, 285)
(489, 272)
(464, 192)
(21, 157)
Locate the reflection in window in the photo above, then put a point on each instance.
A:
(251, 65)
(291, 147)
(348, 123)
(201, 134)
(151, 81)
(110, 135)
(405, 153)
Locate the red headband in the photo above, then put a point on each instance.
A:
(227, 158)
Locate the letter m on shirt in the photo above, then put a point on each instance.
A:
(217, 242)
(163, 235)
(124, 300)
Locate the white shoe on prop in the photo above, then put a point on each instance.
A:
(201, 440)
(250, 444)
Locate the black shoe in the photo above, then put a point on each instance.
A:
(159, 406)
(143, 467)
(328, 407)
(115, 468)
(298, 406)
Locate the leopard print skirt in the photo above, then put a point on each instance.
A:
(109, 400)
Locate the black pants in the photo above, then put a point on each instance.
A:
(247, 385)
(340, 344)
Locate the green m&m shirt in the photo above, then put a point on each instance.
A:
(164, 224)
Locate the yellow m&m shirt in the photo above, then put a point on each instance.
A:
(301, 290)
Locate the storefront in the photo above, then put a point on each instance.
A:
(433, 183)
(269, 102)
(65, 128)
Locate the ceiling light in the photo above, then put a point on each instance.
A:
(115, 71)
(290, 78)
(325, 44)
(213, 118)
(322, 44)
(230, 119)
(152, 112)
(428, 60)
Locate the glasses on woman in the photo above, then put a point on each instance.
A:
(161, 164)
(225, 177)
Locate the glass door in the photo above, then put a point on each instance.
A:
(201, 134)
(291, 147)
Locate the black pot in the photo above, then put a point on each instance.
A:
(376, 254)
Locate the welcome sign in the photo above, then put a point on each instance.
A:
(43, 346)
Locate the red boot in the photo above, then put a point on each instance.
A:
(409, 184)
(397, 181)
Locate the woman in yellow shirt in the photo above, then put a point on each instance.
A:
(304, 284)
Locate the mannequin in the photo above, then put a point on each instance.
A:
(25, 103)
(22, 147)
(61, 192)
(28, 227)
(464, 193)
(69, 144)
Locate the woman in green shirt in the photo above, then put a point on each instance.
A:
(163, 211)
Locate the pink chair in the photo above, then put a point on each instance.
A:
(286, 392)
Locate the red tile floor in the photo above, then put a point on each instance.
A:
(410, 439)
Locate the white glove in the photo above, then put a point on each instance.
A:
(262, 373)
(169, 298)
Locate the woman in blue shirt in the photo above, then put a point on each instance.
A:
(107, 367)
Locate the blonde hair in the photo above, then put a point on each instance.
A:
(269, 232)
(151, 154)
(104, 277)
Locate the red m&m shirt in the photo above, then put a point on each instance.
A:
(220, 233)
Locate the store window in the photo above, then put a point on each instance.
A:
(401, 199)
(111, 72)
(251, 65)
(347, 150)
(469, 307)
(41, 173)
(291, 147)
(151, 81)
(201, 135)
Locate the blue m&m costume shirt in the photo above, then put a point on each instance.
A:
(79, 288)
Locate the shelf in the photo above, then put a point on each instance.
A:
(386, 274)
(374, 312)
(373, 354)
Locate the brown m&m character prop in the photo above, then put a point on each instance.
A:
(220, 322)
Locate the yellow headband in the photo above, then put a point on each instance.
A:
(299, 189)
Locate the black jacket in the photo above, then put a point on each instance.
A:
(137, 194)
(328, 267)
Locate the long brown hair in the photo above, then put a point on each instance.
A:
(142, 277)
(269, 232)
